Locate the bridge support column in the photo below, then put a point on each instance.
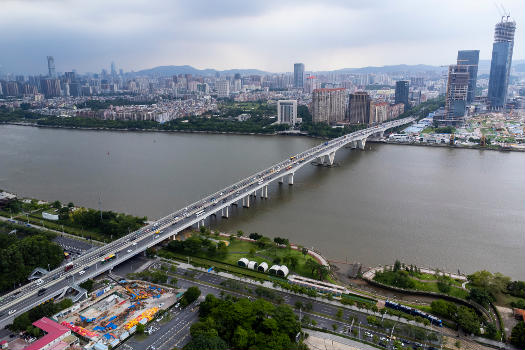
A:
(225, 214)
(290, 179)
(281, 180)
(331, 158)
(361, 143)
(321, 159)
(266, 191)
(246, 202)
(353, 144)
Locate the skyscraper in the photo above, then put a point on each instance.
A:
(456, 99)
(223, 88)
(113, 69)
(401, 96)
(501, 62)
(51, 66)
(298, 75)
(287, 112)
(470, 58)
(328, 105)
(359, 108)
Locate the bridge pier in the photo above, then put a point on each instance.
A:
(266, 191)
(227, 213)
(246, 201)
(331, 158)
(281, 180)
(290, 179)
(321, 159)
(361, 143)
(353, 144)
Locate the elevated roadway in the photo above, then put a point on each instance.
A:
(95, 262)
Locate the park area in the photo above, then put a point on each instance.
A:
(224, 251)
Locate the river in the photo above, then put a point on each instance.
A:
(446, 208)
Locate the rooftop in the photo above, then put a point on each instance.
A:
(53, 330)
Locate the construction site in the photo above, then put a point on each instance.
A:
(111, 314)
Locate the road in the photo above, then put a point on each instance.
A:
(106, 257)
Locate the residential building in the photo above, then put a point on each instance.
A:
(298, 75)
(378, 112)
(359, 108)
(223, 88)
(51, 67)
(51, 87)
(402, 88)
(328, 105)
(470, 58)
(501, 62)
(287, 112)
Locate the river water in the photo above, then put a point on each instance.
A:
(446, 208)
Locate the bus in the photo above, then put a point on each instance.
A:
(108, 258)
(199, 213)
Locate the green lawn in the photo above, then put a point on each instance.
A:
(240, 249)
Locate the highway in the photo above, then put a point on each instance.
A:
(94, 263)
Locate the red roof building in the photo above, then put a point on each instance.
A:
(55, 333)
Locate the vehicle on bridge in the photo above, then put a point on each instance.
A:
(108, 258)
(68, 267)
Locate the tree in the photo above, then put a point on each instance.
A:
(481, 296)
(517, 336)
(397, 265)
(140, 329)
(150, 252)
(56, 205)
(491, 331)
(304, 251)
(190, 296)
(240, 233)
(207, 342)
(339, 314)
(293, 261)
(468, 320)
(255, 236)
(70, 205)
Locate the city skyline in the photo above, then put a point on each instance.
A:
(243, 35)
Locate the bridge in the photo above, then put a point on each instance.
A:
(59, 281)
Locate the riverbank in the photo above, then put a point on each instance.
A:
(446, 145)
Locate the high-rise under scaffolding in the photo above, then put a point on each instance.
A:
(51, 66)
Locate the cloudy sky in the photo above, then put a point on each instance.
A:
(265, 34)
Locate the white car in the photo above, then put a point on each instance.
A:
(129, 250)
(134, 243)
(39, 281)
(82, 272)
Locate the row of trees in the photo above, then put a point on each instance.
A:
(20, 256)
(465, 317)
(244, 324)
(195, 245)
(97, 104)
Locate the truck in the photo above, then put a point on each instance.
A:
(68, 267)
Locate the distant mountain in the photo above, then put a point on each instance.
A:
(162, 71)
(175, 70)
(390, 69)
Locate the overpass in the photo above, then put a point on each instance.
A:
(93, 263)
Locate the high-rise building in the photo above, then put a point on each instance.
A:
(470, 58)
(359, 108)
(402, 89)
(328, 105)
(501, 62)
(51, 67)
(298, 75)
(223, 88)
(113, 70)
(51, 87)
(456, 98)
(287, 112)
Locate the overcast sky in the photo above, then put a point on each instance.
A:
(268, 34)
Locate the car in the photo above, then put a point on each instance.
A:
(39, 282)
(129, 250)
(41, 291)
(12, 311)
(82, 272)
(134, 243)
